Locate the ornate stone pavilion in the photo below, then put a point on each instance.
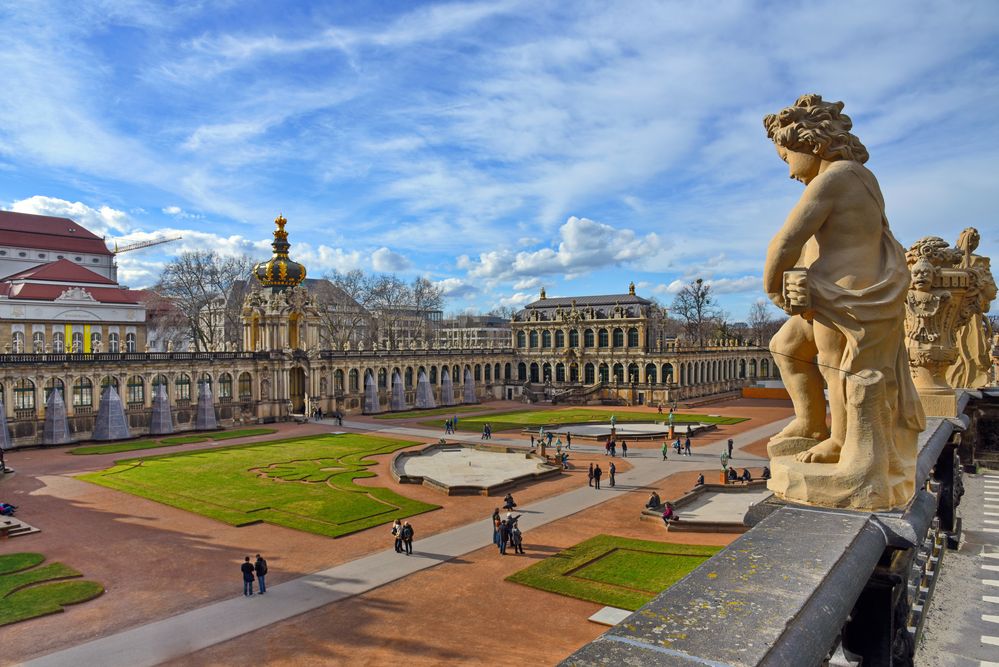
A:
(588, 349)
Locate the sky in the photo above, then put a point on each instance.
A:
(494, 147)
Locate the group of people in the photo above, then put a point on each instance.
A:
(450, 425)
(487, 432)
(681, 449)
(254, 571)
(596, 473)
(506, 532)
(318, 414)
(403, 535)
(746, 476)
(669, 514)
(610, 448)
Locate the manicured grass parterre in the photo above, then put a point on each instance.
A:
(303, 483)
(29, 589)
(518, 419)
(615, 571)
(454, 409)
(115, 448)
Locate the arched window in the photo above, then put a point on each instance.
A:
(589, 374)
(602, 338)
(246, 385)
(534, 373)
(521, 339)
(742, 369)
(618, 338)
(225, 387)
(633, 337)
(573, 372)
(17, 342)
(507, 371)
(182, 387)
(522, 372)
(668, 375)
(382, 378)
(77, 342)
(559, 338)
(573, 338)
(130, 342)
(546, 338)
(433, 375)
(546, 372)
(354, 380)
(408, 380)
(752, 368)
(618, 373)
(113, 341)
(604, 373)
(95, 341)
(24, 394)
(478, 372)
(632, 372)
(588, 338)
(206, 380)
(489, 372)
(58, 342)
(38, 342)
(52, 384)
(83, 393)
(560, 372)
(111, 380)
(650, 373)
(765, 368)
(533, 339)
(136, 390)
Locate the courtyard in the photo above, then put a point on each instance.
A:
(195, 509)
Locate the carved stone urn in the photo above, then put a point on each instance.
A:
(937, 305)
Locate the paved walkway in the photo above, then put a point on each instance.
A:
(159, 641)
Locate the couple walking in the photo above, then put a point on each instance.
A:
(251, 570)
(403, 533)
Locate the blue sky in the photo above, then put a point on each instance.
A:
(494, 147)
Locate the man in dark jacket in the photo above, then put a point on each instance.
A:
(407, 538)
(597, 473)
(248, 573)
(260, 567)
(504, 536)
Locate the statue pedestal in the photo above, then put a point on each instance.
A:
(942, 404)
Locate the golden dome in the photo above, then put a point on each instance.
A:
(280, 272)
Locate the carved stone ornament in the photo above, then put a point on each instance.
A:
(938, 303)
(75, 294)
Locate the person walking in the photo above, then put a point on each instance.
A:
(260, 567)
(496, 527)
(504, 536)
(730, 444)
(516, 539)
(607, 448)
(407, 538)
(660, 408)
(248, 575)
(678, 447)
(568, 440)
(589, 478)
(665, 448)
(612, 470)
(686, 446)
(532, 441)
(485, 433)
(613, 451)
(397, 534)
(624, 449)
(597, 473)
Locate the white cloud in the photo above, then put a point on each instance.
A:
(527, 283)
(103, 221)
(178, 212)
(384, 259)
(456, 288)
(718, 285)
(585, 245)
(516, 300)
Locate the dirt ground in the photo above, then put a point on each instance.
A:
(156, 561)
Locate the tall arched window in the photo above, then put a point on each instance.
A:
(618, 373)
(633, 337)
(604, 373)
(77, 346)
(225, 387)
(161, 381)
(560, 372)
(182, 387)
(618, 338)
(52, 384)
(246, 385)
(130, 342)
(650, 373)
(83, 393)
(38, 342)
(17, 342)
(522, 372)
(588, 338)
(136, 389)
(24, 394)
(559, 338)
(489, 372)
(408, 380)
(58, 342)
(521, 339)
(353, 379)
(113, 341)
(95, 341)
(546, 338)
(602, 338)
(533, 339)
(589, 376)
(573, 338)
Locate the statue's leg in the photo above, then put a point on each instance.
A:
(830, 343)
(793, 349)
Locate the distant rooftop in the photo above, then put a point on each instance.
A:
(25, 230)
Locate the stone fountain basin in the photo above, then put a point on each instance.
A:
(460, 469)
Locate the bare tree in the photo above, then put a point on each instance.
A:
(506, 312)
(343, 307)
(428, 303)
(695, 306)
(661, 326)
(762, 323)
(200, 284)
(391, 305)
(166, 324)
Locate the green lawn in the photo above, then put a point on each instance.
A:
(115, 448)
(615, 571)
(29, 589)
(304, 483)
(454, 409)
(518, 419)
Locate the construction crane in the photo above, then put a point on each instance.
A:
(144, 244)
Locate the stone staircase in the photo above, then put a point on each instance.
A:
(11, 527)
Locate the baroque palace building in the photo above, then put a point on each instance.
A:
(601, 349)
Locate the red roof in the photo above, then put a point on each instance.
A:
(36, 292)
(61, 271)
(24, 230)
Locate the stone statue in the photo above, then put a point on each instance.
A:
(971, 369)
(836, 269)
(939, 303)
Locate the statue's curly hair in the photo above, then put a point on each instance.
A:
(813, 126)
